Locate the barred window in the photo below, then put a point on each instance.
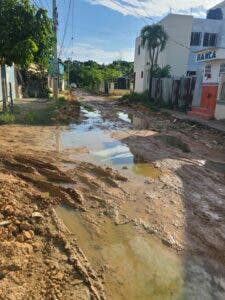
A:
(222, 69)
(139, 50)
(210, 39)
(196, 38)
(208, 69)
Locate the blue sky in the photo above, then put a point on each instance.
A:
(105, 30)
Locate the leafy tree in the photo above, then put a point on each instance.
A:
(90, 74)
(162, 72)
(154, 38)
(27, 36)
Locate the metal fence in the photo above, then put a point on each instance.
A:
(175, 92)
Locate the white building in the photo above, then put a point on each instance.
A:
(187, 35)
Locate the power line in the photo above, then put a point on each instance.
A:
(132, 11)
(145, 10)
(65, 28)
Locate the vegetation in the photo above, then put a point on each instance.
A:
(90, 74)
(154, 38)
(142, 98)
(161, 72)
(49, 113)
(34, 84)
(27, 37)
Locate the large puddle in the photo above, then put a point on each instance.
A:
(137, 266)
(103, 149)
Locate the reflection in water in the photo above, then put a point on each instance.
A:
(124, 116)
(102, 148)
(139, 268)
(137, 122)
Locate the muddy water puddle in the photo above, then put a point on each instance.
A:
(103, 149)
(136, 266)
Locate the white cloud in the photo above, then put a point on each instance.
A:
(84, 51)
(157, 8)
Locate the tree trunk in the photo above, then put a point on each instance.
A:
(4, 86)
(150, 83)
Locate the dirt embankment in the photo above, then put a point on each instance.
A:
(39, 258)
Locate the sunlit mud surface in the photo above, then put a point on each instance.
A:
(141, 194)
(136, 265)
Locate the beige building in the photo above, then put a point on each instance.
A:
(186, 36)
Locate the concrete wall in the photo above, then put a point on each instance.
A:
(176, 53)
(140, 65)
(10, 76)
(220, 111)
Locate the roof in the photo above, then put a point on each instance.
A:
(219, 5)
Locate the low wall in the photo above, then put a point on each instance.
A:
(220, 111)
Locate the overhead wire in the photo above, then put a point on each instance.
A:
(132, 11)
(65, 28)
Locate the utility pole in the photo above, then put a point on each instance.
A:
(68, 84)
(55, 63)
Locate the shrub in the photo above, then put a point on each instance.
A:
(7, 118)
(140, 98)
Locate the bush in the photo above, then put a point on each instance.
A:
(7, 118)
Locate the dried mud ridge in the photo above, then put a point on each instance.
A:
(39, 257)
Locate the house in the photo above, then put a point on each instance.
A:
(212, 99)
(187, 35)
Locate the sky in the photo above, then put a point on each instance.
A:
(105, 30)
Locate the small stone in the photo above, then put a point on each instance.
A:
(25, 226)
(28, 234)
(37, 215)
(8, 209)
(5, 223)
(124, 167)
(20, 238)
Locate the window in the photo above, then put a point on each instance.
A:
(139, 50)
(222, 69)
(209, 39)
(208, 71)
(196, 38)
(142, 74)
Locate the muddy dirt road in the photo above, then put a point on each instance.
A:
(122, 204)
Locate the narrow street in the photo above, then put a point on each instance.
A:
(124, 203)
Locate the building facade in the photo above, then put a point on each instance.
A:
(187, 35)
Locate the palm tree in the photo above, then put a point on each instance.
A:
(154, 38)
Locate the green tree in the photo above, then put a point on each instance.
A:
(27, 36)
(154, 39)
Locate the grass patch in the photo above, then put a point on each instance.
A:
(48, 113)
(7, 118)
(142, 98)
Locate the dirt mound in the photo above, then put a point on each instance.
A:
(39, 258)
